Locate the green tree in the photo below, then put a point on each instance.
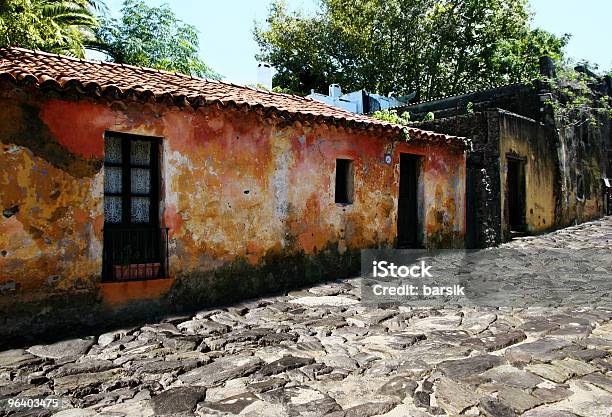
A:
(60, 26)
(293, 43)
(576, 96)
(392, 117)
(151, 37)
(431, 47)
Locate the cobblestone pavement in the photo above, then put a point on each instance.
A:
(320, 352)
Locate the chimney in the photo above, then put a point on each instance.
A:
(334, 90)
(547, 67)
(264, 75)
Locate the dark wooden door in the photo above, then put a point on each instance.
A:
(408, 204)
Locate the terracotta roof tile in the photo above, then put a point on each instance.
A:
(56, 71)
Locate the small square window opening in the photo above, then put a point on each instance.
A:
(344, 181)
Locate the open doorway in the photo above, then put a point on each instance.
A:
(472, 202)
(408, 233)
(515, 194)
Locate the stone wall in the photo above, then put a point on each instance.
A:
(582, 154)
(483, 206)
(517, 98)
(249, 203)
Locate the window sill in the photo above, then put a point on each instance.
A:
(116, 293)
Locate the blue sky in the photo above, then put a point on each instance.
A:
(227, 44)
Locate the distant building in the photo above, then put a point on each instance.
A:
(526, 172)
(360, 101)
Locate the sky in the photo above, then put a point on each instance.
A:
(227, 45)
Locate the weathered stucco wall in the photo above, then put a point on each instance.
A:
(249, 201)
(583, 153)
(554, 162)
(528, 139)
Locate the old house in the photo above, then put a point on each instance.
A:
(130, 190)
(526, 172)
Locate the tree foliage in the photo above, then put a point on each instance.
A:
(60, 26)
(576, 98)
(392, 116)
(151, 37)
(431, 47)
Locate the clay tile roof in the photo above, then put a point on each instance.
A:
(61, 72)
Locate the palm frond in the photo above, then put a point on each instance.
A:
(75, 19)
(50, 25)
(58, 8)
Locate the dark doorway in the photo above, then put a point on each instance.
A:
(408, 235)
(515, 194)
(472, 202)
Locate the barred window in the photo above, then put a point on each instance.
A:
(130, 179)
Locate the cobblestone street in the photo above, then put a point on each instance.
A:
(320, 352)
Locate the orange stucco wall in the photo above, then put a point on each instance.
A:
(235, 186)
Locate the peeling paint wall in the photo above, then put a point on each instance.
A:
(525, 138)
(239, 193)
(583, 153)
(52, 239)
(554, 161)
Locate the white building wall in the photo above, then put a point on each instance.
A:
(353, 101)
(334, 101)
